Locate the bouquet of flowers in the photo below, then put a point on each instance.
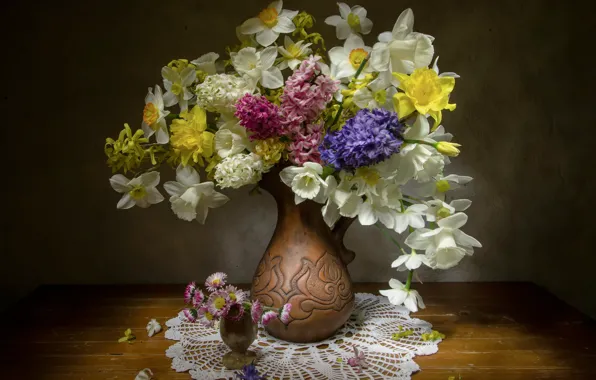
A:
(357, 129)
(227, 301)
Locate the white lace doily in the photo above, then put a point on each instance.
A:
(199, 349)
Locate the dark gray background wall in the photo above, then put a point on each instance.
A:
(73, 72)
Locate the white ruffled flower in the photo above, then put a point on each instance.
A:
(305, 181)
(153, 327)
(410, 261)
(176, 84)
(398, 295)
(345, 60)
(293, 53)
(190, 198)
(257, 66)
(446, 245)
(270, 23)
(341, 201)
(239, 170)
(377, 94)
(206, 63)
(376, 209)
(349, 21)
(231, 138)
(220, 92)
(139, 191)
(154, 116)
(402, 50)
(438, 209)
(145, 374)
(412, 216)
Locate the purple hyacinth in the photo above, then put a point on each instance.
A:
(367, 139)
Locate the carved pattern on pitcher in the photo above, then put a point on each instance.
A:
(322, 285)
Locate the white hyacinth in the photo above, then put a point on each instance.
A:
(239, 170)
(219, 93)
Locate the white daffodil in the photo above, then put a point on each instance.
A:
(438, 209)
(446, 245)
(153, 327)
(293, 53)
(375, 209)
(402, 50)
(176, 84)
(345, 60)
(305, 181)
(190, 198)
(206, 63)
(145, 374)
(231, 138)
(257, 66)
(377, 94)
(270, 23)
(412, 216)
(398, 295)
(410, 261)
(439, 186)
(139, 191)
(341, 201)
(445, 74)
(154, 116)
(420, 161)
(349, 21)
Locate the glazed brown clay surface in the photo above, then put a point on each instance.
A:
(305, 265)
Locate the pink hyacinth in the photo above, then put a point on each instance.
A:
(306, 93)
(305, 144)
(189, 292)
(268, 316)
(256, 311)
(259, 116)
(284, 316)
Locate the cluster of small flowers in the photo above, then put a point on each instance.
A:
(227, 301)
(220, 92)
(259, 116)
(305, 144)
(238, 170)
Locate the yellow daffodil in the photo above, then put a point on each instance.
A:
(190, 137)
(425, 92)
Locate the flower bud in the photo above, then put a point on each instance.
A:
(447, 148)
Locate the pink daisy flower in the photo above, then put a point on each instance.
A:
(190, 315)
(189, 292)
(207, 319)
(268, 317)
(235, 294)
(235, 311)
(216, 281)
(256, 311)
(284, 316)
(218, 304)
(198, 298)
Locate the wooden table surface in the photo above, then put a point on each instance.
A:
(493, 331)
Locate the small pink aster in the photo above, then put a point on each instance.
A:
(268, 316)
(235, 294)
(358, 361)
(256, 311)
(284, 316)
(235, 311)
(189, 292)
(198, 298)
(218, 303)
(206, 318)
(259, 116)
(216, 281)
(190, 315)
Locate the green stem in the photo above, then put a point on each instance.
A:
(173, 116)
(419, 142)
(341, 105)
(409, 281)
(391, 238)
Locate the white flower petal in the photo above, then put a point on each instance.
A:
(447, 258)
(410, 303)
(278, 5)
(464, 239)
(359, 11)
(417, 241)
(395, 296)
(202, 212)
(150, 179)
(216, 200)
(252, 26)
(268, 56)
(366, 216)
(424, 52)
(182, 209)
(187, 175)
(125, 202)
(354, 41)
(401, 222)
(404, 24)
(288, 14)
(162, 136)
(284, 25)
(416, 221)
(454, 221)
(337, 55)
(272, 78)
(344, 10)
(168, 73)
(343, 30)
(266, 37)
(174, 188)
(170, 99)
(154, 196)
(365, 25)
(400, 260)
(333, 20)
(145, 374)
(460, 204)
(120, 183)
(330, 213)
